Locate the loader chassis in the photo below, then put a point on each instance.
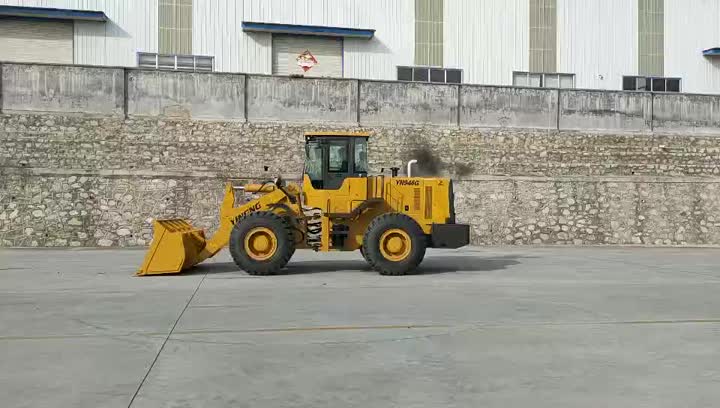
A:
(391, 220)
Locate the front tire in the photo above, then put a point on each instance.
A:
(394, 244)
(261, 243)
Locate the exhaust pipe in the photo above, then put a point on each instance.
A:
(409, 167)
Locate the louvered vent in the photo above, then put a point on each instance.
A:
(416, 199)
(428, 202)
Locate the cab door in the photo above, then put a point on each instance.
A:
(338, 163)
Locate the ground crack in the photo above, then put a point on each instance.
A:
(137, 391)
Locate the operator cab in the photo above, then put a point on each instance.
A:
(331, 157)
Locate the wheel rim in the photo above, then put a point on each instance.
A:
(260, 243)
(395, 245)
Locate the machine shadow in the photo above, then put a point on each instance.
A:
(432, 265)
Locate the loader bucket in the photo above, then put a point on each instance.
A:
(176, 246)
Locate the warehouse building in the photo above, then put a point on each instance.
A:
(658, 45)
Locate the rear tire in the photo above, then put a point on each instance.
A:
(362, 252)
(261, 243)
(394, 244)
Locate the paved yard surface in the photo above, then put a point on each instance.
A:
(521, 327)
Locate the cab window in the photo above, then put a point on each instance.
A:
(313, 161)
(361, 155)
(338, 157)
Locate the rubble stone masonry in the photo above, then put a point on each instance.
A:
(78, 180)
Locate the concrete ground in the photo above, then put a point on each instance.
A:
(519, 327)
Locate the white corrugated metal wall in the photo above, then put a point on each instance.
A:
(688, 31)
(217, 31)
(487, 39)
(132, 27)
(394, 42)
(597, 41)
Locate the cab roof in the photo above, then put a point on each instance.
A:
(330, 134)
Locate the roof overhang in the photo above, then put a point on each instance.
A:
(323, 31)
(712, 52)
(52, 13)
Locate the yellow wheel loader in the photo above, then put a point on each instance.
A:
(390, 219)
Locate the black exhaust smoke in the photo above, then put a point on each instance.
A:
(428, 165)
(431, 165)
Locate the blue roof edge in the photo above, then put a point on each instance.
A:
(252, 26)
(52, 13)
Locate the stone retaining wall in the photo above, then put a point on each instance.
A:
(70, 180)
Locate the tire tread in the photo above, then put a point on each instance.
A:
(375, 258)
(237, 246)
